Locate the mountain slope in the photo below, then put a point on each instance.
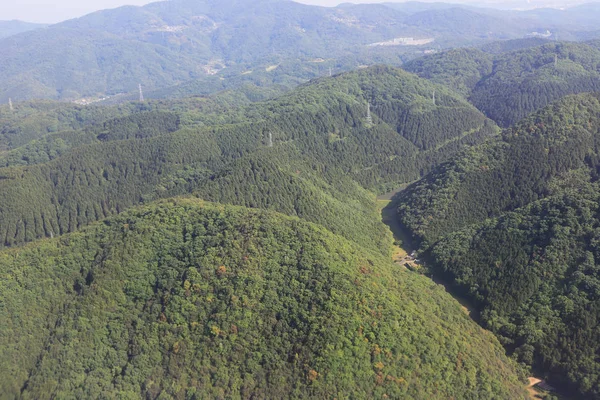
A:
(513, 223)
(326, 119)
(163, 44)
(534, 275)
(169, 43)
(232, 302)
(508, 87)
(506, 173)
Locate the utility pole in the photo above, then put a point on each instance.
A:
(141, 93)
(369, 117)
(330, 72)
(270, 144)
(555, 60)
(10, 106)
(434, 97)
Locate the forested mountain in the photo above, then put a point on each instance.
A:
(29, 121)
(171, 42)
(168, 43)
(507, 87)
(9, 28)
(514, 223)
(222, 238)
(315, 135)
(232, 302)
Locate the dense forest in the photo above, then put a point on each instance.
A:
(507, 172)
(207, 44)
(509, 86)
(127, 162)
(514, 224)
(185, 299)
(223, 238)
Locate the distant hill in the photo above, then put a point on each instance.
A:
(509, 86)
(169, 43)
(513, 223)
(9, 28)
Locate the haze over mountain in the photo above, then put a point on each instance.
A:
(61, 10)
(513, 223)
(168, 43)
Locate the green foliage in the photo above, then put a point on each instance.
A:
(281, 179)
(186, 299)
(141, 160)
(459, 69)
(198, 46)
(535, 277)
(51, 146)
(33, 120)
(505, 173)
(9, 28)
(510, 86)
(514, 224)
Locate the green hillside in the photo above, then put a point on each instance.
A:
(506, 173)
(320, 128)
(187, 299)
(165, 44)
(224, 236)
(513, 223)
(508, 87)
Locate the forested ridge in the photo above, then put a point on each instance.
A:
(514, 224)
(186, 299)
(129, 161)
(317, 156)
(198, 46)
(506, 172)
(509, 86)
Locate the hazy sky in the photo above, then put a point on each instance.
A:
(49, 11)
(57, 10)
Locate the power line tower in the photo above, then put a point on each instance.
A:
(369, 117)
(10, 106)
(141, 93)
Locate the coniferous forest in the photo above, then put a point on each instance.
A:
(226, 236)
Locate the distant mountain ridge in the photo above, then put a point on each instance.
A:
(13, 27)
(166, 43)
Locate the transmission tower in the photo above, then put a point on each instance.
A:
(10, 106)
(369, 117)
(141, 93)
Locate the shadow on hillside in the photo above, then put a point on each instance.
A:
(404, 239)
